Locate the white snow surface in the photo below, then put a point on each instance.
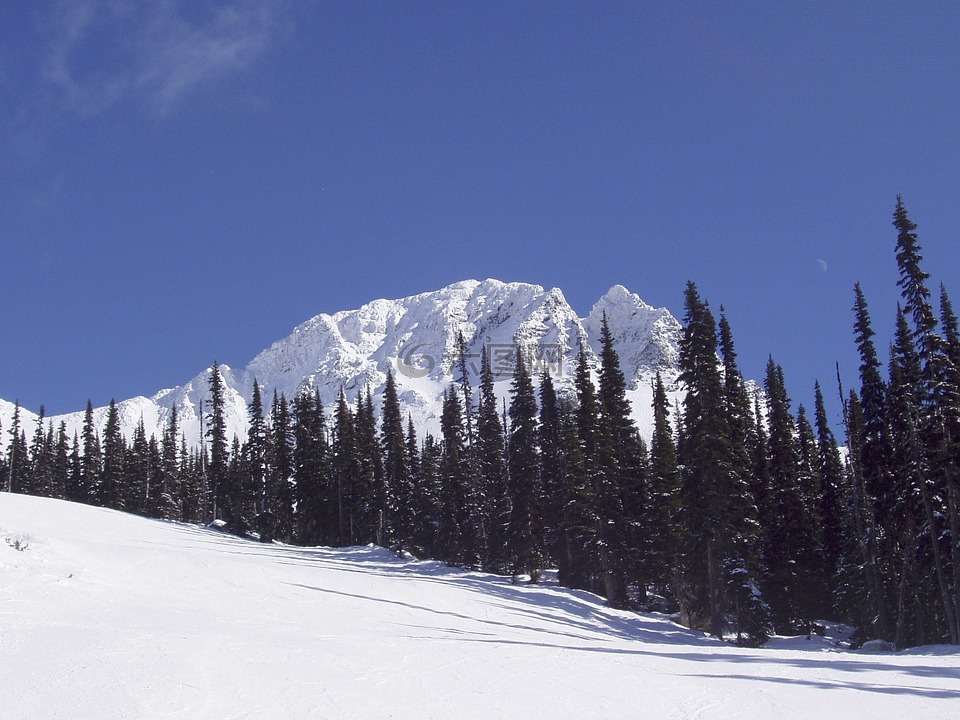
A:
(416, 337)
(105, 615)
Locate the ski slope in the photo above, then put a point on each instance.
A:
(105, 615)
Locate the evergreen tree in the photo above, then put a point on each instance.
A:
(37, 475)
(427, 497)
(663, 524)
(18, 457)
(371, 483)
(872, 465)
(168, 506)
(453, 491)
(345, 473)
(581, 516)
(398, 483)
(110, 490)
(553, 471)
(60, 469)
(525, 531)
(831, 504)
(90, 470)
(491, 468)
(708, 469)
(315, 518)
(280, 471)
(621, 491)
(216, 433)
(256, 464)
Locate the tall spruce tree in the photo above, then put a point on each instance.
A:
(216, 434)
(663, 525)
(314, 519)
(621, 491)
(396, 505)
(110, 489)
(707, 460)
(553, 471)
(525, 531)
(345, 469)
(491, 467)
(832, 501)
(449, 540)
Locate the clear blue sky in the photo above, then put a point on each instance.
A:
(187, 181)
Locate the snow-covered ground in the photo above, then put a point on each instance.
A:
(105, 615)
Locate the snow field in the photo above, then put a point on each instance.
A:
(105, 615)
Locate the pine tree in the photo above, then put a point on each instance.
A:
(36, 476)
(168, 507)
(525, 531)
(708, 468)
(371, 486)
(427, 497)
(663, 521)
(315, 518)
(553, 471)
(90, 470)
(60, 469)
(18, 457)
(345, 473)
(491, 468)
(216, 433)
(396, 503)
(621, 492)
(449, 539)
(872, 466)
(937, 396)
(831, 505)
(581, 516)
(280, 471)
(110, 490)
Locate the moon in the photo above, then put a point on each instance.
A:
(823, 264)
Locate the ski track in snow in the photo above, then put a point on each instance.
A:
(105, 615)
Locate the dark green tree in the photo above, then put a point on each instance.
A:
(525, 532)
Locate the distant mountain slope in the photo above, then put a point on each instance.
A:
(416, 338)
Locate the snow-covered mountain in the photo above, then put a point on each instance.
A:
(416, 338)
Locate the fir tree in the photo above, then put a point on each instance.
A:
(872, 463)
(449, 539)
(621, 491)
(491, 468)
(398, 484)
(553, 471)
(280, 471)
(831, 503)
(90, 472)
(110, 490)
(663, 525)
(525, 532)
(708, 469)
(168, 507)
(315, 519)
(216, 433)
(345, 473)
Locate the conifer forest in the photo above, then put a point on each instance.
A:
(745, 514)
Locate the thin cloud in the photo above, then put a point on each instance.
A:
(103, 53)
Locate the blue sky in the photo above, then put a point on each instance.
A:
(187, 181)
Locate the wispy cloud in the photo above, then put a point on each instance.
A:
(103, 52)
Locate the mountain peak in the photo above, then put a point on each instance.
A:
(416, 338)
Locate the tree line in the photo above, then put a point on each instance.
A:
(743, 516)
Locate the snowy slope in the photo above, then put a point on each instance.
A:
(416, 337)
(106, 615)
